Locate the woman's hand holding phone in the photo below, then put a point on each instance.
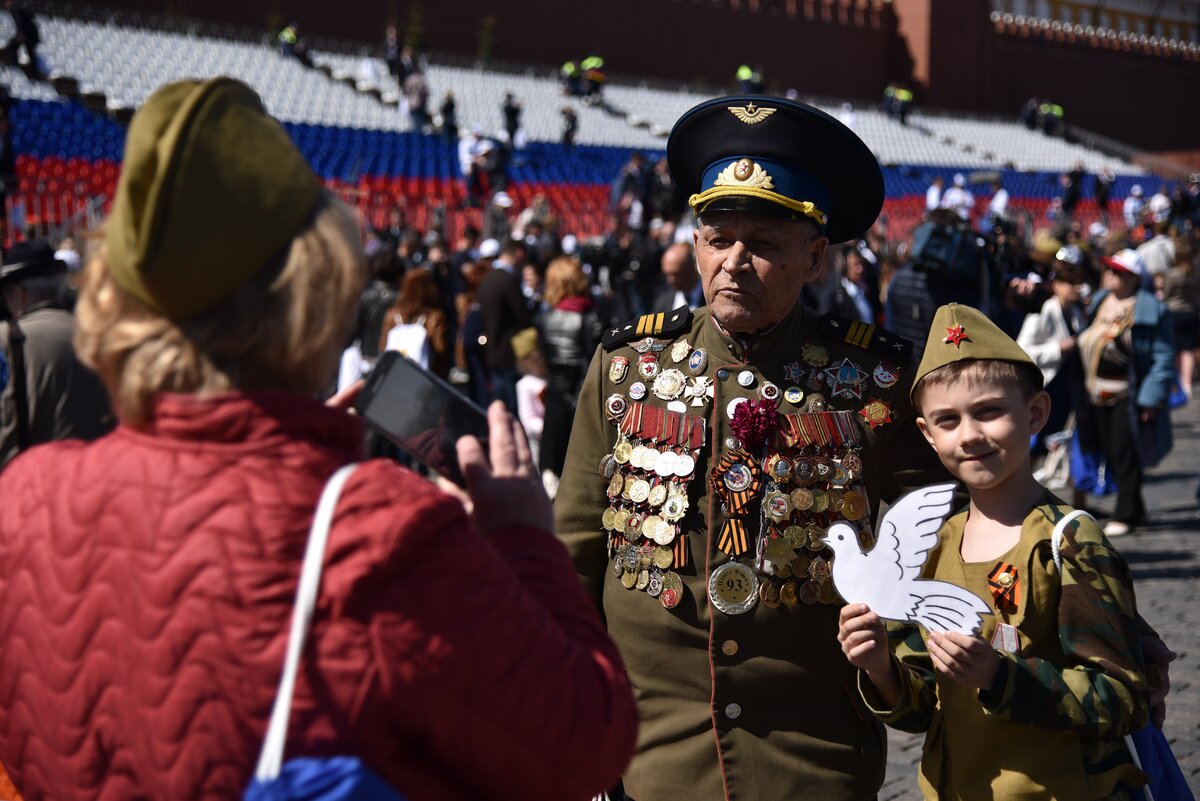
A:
(508, 491)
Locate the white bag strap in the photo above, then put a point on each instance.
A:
(1057, 537)
(1056, 549)
(271, 758)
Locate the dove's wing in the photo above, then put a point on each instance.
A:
(941, 606)
(908, 531)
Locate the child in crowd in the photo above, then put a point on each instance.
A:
(1038, 705)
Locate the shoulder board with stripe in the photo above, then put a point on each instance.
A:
(890, 346)
(658, 325)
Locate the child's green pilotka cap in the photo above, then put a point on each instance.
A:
(211, 189)
(960, 333)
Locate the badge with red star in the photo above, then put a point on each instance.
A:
(876, 413)
(956, 335)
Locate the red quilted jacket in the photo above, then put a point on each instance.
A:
(146, 585)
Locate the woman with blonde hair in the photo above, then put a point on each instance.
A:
(569, 332)
(147, 579)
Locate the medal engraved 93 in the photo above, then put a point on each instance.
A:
(733, 588)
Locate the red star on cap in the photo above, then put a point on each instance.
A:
(956, 335)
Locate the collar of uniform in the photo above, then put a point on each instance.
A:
(732, 349)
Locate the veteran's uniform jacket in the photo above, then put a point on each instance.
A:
(756, 702)
(1071, 681)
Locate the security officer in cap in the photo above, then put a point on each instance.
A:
(50, 394)
(711, 451)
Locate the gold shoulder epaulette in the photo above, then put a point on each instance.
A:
(657, 325)
(869, 337)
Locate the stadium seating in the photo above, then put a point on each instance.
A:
(346, 120)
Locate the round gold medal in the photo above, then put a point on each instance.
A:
(795, 536)
(820, 501)
(635, 456)
(622, 451)
(619, 520)
(852, 505)
(658, 494)
(608, 518)
(628, 579)
(768, 593)
(643, 580)
(814, 534)
(835, 500)
(787, 593)
(616, 484)
(802, 499)
(663, 557)
(799, 565)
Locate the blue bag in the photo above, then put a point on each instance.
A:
(1153, 755)
(340, 778)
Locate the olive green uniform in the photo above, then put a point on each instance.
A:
(1052, 724)
(761, 704)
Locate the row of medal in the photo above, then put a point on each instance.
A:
(801, 492)
(648, 475)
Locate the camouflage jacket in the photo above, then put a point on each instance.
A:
(1052, 724)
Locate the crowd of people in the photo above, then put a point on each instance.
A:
(706, 393)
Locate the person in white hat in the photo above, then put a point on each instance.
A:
(958, 198)
(1129, 365)
(1133, 206)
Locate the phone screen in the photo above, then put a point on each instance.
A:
(420, 412)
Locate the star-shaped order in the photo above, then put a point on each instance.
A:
(956, 335)
(793, 372)
(845, 379)
(700, 389)
(876, 413)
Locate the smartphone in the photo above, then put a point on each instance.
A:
(421, 413)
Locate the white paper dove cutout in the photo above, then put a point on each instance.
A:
(888, 578)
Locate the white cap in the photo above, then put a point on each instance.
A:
(1127, 261)
(69, 258)
(1097, 229)
(502, 200)
(489, 249)
(959, 179)
(1136, 190)
(569, 244)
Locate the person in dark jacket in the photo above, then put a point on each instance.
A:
(505, 311)
(62, 398)
(27, 34)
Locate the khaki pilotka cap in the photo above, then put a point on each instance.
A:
(961, 333)
(211, 190)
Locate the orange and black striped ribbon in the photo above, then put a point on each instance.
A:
(733, 540)
(1006, 597)
(682, 554)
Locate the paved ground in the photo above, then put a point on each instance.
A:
(1165, 558)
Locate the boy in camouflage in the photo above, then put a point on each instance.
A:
(1037, 706)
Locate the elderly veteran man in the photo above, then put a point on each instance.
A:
(711, 450)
